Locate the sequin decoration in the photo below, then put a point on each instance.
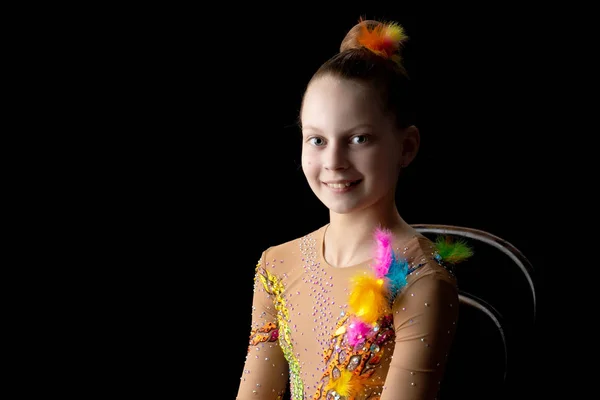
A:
(267, 333)
(357, 361)
(358, 342)
(274, 287)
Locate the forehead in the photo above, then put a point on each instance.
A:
(331, 102)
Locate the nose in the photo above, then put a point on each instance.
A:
(335, 158)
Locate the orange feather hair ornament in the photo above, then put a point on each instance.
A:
(384, 39)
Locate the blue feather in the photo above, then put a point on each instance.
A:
(396, 275)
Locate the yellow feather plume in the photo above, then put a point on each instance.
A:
(395, 32)
(369, 298)
(346, 385)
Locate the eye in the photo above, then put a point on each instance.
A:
(360, 139)
(316, 141)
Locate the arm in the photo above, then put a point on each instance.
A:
(265, 370)
(425, 317)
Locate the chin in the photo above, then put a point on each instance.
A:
(346, 208)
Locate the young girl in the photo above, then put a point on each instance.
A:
(363, 307)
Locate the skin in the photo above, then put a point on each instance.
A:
(347, 136)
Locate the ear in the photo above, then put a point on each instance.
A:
(411, 140)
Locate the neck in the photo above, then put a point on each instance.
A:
(349, 237)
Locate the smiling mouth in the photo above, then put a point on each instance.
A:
(342, 185)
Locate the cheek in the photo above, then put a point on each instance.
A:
(309, 163)
(384, 165)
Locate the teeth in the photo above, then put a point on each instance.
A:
(338, 185)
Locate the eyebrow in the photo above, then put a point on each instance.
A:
(365, 125)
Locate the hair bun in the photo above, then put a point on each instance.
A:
(382, 38)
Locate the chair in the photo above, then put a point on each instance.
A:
(497, 314)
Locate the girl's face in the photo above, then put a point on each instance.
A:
(351, 152)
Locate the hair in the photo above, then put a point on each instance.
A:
(381, 71)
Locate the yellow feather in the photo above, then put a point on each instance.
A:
(346, 385)
(368, 299)
(395, 32)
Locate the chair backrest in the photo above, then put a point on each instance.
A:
(498, 304)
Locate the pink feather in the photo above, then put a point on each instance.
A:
(383, 252)
(357, 330)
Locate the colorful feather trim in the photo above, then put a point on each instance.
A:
(369, 298)
(372, 295)
(452, 251)
(396, 276)
(346, 385)
(357, 330)
(383, 253)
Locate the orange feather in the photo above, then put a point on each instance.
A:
(384, 39)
